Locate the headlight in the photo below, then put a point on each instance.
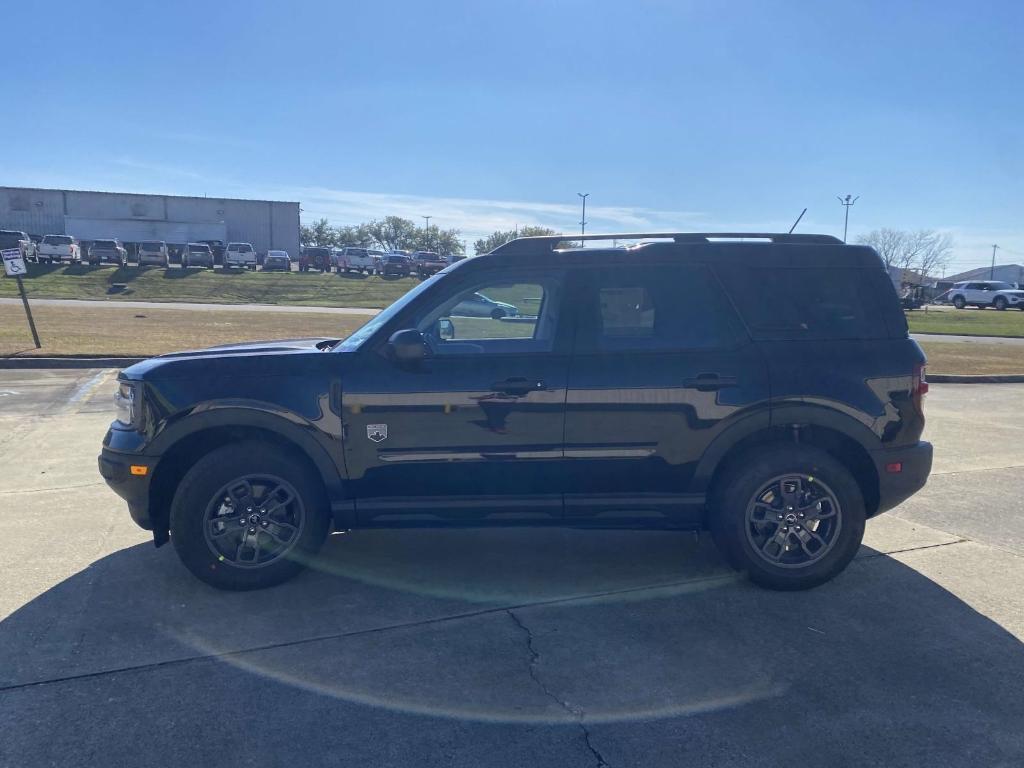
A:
(124, 403)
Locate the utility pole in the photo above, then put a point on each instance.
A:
(992, 272)
(583, 218)
(846, 202)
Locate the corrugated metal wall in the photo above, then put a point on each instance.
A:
(265, 224)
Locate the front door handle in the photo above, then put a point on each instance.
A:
(518, 385)
(709, 382)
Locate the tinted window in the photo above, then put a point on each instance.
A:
(152, 245)
(10, 239)
(802, 303)
(655, 307)
(57, 240)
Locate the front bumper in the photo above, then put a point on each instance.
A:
(915, 464)
(115, 468)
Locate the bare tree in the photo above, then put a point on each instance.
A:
(924, 251)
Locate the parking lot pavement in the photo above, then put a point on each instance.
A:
(512, 647)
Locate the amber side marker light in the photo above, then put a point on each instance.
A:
(138, 469)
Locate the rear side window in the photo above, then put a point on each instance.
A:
(654, 307)
(809, 303)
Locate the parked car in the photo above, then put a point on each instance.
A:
(216, 248)
(197, 255)
(240, 255)
(108, 252)
(315, 257)
(12, 238)
(986, 293)
(427, 263)
(478, 305)
(59, 248)
(780, 405)
(153, 252)
(277, 261)
(396, 265)
(350, 259)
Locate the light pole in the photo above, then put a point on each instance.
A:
(992, 271)
(846, 202)
(426, 219)
(583, 218)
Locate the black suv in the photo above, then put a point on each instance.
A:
(762, 386)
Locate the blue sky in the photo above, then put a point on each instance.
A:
(672, 115)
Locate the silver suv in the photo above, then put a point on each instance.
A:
(986, 293)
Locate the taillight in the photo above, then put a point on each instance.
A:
(920, 381)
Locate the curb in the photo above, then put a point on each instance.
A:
(68, 362)
(960, 378)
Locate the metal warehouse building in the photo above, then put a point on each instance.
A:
(133, 218)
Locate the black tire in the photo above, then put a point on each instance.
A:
(740, 484)
(959, 302)
(203, 486)
(999, 303)
(497, 313)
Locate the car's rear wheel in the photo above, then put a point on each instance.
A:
(959, 302)
(999, 303)
(790, 516)
(248, 515)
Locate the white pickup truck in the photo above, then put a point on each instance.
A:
(240, 255)
(59, 248)
(351, 259)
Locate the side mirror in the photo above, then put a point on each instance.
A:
(407, 346)
(445, 328)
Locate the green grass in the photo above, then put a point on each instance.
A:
(968, 322)
(45, 281)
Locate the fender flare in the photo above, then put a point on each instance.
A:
(780, 416)
(263, 416)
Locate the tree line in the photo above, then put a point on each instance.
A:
(393, 233)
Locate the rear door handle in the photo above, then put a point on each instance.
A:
(708, 382)
(518, 385)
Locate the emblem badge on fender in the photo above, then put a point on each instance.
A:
(377, 432)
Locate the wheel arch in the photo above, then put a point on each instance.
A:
(837, 442)
(188, 441)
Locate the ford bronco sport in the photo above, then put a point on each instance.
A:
(762, 386)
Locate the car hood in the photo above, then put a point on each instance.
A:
(248, 355)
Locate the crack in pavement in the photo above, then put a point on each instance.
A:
(576, 712)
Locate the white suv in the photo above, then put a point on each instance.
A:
(986, 293)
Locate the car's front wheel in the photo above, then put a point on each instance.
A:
(790, 516)
(247, 516)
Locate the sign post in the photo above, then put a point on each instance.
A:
(14, 266)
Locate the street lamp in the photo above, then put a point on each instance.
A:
(427, 219)
(846, 202)
(583, 218)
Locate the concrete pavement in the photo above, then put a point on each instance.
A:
(511, 647)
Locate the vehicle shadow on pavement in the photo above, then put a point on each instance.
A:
(549, 646)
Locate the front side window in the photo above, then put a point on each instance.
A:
(507, 314)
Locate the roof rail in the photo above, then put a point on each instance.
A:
(547, 243)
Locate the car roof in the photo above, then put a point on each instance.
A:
(742, 249)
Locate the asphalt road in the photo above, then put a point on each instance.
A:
(517, 648)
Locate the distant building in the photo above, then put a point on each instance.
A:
(1007, 273)
(133, 218)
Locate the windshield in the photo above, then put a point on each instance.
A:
(354, 341)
